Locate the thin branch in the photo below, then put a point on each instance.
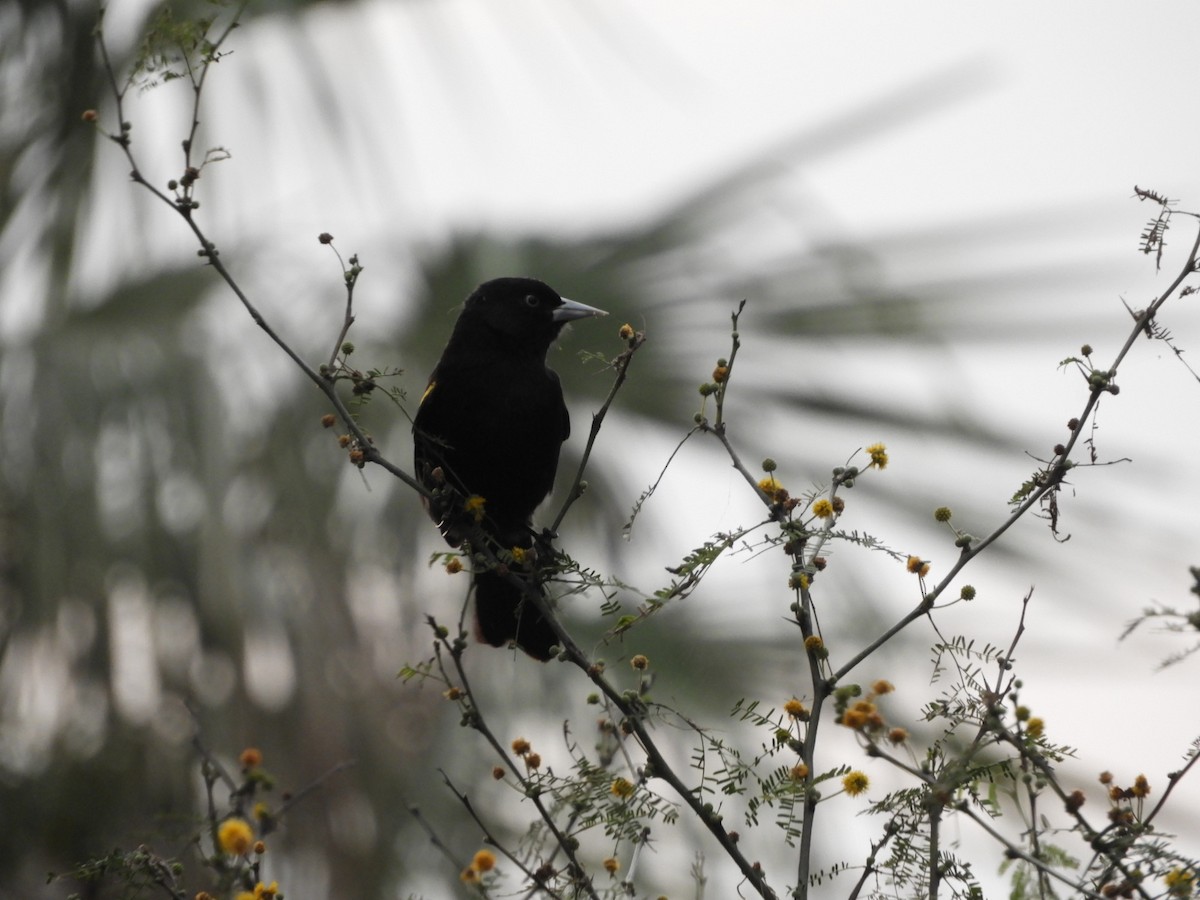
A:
(723, 384)
(1173, 779)
(491, 839)
(427, 827)
(621, 366)
(1011, 849)
(869, 868)
(658, 767)
(313, 785)
(350, 275)
(530, 788)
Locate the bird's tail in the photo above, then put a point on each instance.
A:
(503, 614)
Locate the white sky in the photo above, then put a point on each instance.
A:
(575, 116)
(1060, 102)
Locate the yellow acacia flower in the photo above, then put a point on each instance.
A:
(773, 489)
(854, 718)
(856, 783)
(474, 505)
(822, 509)
(484, 861)
(878, 454)
(250, 758)
(235, 836)
(622, 787)
(1141, 785)
(795, 709)
(917, 566)
(1180, 882)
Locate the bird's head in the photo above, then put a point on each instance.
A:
(523, 311)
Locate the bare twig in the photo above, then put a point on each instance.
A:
(313, 785)
(620, 365)
(495, 842)
(350, 275)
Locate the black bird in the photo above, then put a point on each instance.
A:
(490, 426)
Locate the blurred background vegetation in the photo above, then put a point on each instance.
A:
(183, 550)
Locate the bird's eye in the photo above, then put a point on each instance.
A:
(531, 300)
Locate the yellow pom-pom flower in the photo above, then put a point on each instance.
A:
(474, 506)
(796, 709)
(1141, 785)
(856, 783)
(1180, 882)
(622, 787)
(878, 454)
(235, 836)
(918, 566)
(773, 489)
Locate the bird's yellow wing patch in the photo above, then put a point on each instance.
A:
(428, 391)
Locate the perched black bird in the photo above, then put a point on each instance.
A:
(490, 426)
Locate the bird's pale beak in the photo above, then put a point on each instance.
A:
(572, 309)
